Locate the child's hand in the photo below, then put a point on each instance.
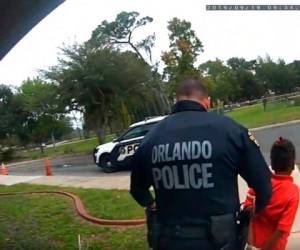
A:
(250, 247)
(251, 210)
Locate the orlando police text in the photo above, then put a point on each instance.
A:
(194, 175)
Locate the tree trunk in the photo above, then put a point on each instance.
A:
(53, 139)
(100, 135)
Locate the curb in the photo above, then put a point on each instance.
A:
(275, 125)
(24, 162)
(81, 211)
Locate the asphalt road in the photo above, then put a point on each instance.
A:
(266, 137)
(60, 167)
(84, 166)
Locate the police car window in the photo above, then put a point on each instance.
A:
(138, 131)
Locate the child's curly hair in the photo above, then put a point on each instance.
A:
(283, 155)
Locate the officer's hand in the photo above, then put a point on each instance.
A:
(153, 205)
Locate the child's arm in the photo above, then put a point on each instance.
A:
(249, 204)
(288, 216)
(273, 240)
(250, 199)
(285, 223)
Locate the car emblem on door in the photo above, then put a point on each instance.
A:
(127, 150)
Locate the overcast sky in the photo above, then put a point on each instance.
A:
(224, 34)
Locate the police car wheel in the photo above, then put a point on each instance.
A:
(106, 164)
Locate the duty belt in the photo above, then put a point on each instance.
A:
(187, 232)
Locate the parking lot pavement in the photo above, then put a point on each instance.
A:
(69, 165)
(113, 181)
(12, 180)
(294, 242)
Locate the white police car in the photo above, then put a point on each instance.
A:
(116, 155)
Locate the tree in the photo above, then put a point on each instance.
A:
(213, 68)
(223, 79)
(227, 88)
(13, 128)
(6, 114)
(120, 32)
(107, 83)
(236, 63)
(45, 128)
(8, 123)
(185, 47)
(295, 66)
(45, 118)
(250, 86)
(126, 119)
(99, 83)
(39, 98)
(278, 77)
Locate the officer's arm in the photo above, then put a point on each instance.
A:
(140, 181)
(255, 171)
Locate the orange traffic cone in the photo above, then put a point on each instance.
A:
(4, 169)
(48, 169)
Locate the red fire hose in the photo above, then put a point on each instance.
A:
(83, 213)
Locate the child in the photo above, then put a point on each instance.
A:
(270, 228)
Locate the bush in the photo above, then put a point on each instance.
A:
(68, 150)
(6, 154)
(297, 101)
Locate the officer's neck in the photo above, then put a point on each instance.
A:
(200, 101)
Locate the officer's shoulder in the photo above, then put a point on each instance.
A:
(226, 122)
(150, 136)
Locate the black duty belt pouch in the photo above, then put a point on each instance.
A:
(153, 227)
(185, 232)
(243, 218)
(224, 231)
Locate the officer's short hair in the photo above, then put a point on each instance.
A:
(283, 155)
(190, 87)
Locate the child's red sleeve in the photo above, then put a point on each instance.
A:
(287, 219)
(250, 199)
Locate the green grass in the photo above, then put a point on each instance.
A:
(50, 221)
(255, 116)
(79, 147)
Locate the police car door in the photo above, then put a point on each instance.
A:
(122, 152)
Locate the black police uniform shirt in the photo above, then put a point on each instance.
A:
(192, 159)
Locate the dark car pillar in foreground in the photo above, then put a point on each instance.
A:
(18, 17)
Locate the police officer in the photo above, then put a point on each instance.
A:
(192, 159)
